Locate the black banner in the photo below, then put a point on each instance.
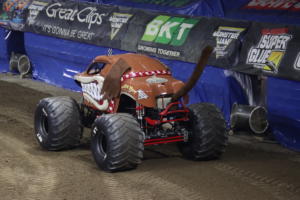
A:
(271, 50)
(249, 47)
(83, 22)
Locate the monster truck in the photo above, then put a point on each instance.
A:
(131, 101)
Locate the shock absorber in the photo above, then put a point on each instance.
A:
(140, 113)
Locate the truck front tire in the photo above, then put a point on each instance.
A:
(57, 123)
(117, 142)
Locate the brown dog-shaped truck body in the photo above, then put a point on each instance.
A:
(139, 77)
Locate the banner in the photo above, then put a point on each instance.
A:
(227, 37)
(271, 50)
(249, 47)
(123, 28)
(173, 37)
(81, 22)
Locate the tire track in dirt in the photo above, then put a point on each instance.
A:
(146, 185)
(116, 189)
(295, 159)
(22, 117)
(42, 179)
(163, 187)
(275, 187)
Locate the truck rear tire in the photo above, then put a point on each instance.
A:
(117, 142)
(208, 137)
(57, 123)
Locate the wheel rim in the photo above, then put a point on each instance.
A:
(102, 145)
(44, 125)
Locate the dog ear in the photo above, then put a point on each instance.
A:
(112, 83)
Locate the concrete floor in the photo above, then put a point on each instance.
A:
(249, 169)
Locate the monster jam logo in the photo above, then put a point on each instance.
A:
(117, 20)
(297, 62)
(169, 30)
(34, 9)
(268, 53)
(224, 37)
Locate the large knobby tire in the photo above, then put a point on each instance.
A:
(117, 142)
(57, 123)
(208, 136)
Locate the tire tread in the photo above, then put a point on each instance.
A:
(125, 139)
(209, 137)
(65, 130)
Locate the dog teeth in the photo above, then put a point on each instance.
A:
(93, 90)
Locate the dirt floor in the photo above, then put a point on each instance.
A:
(249, 169)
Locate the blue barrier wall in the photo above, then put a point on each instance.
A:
(283, 102)
(4, 59)
(10, 41)
(56, 61)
